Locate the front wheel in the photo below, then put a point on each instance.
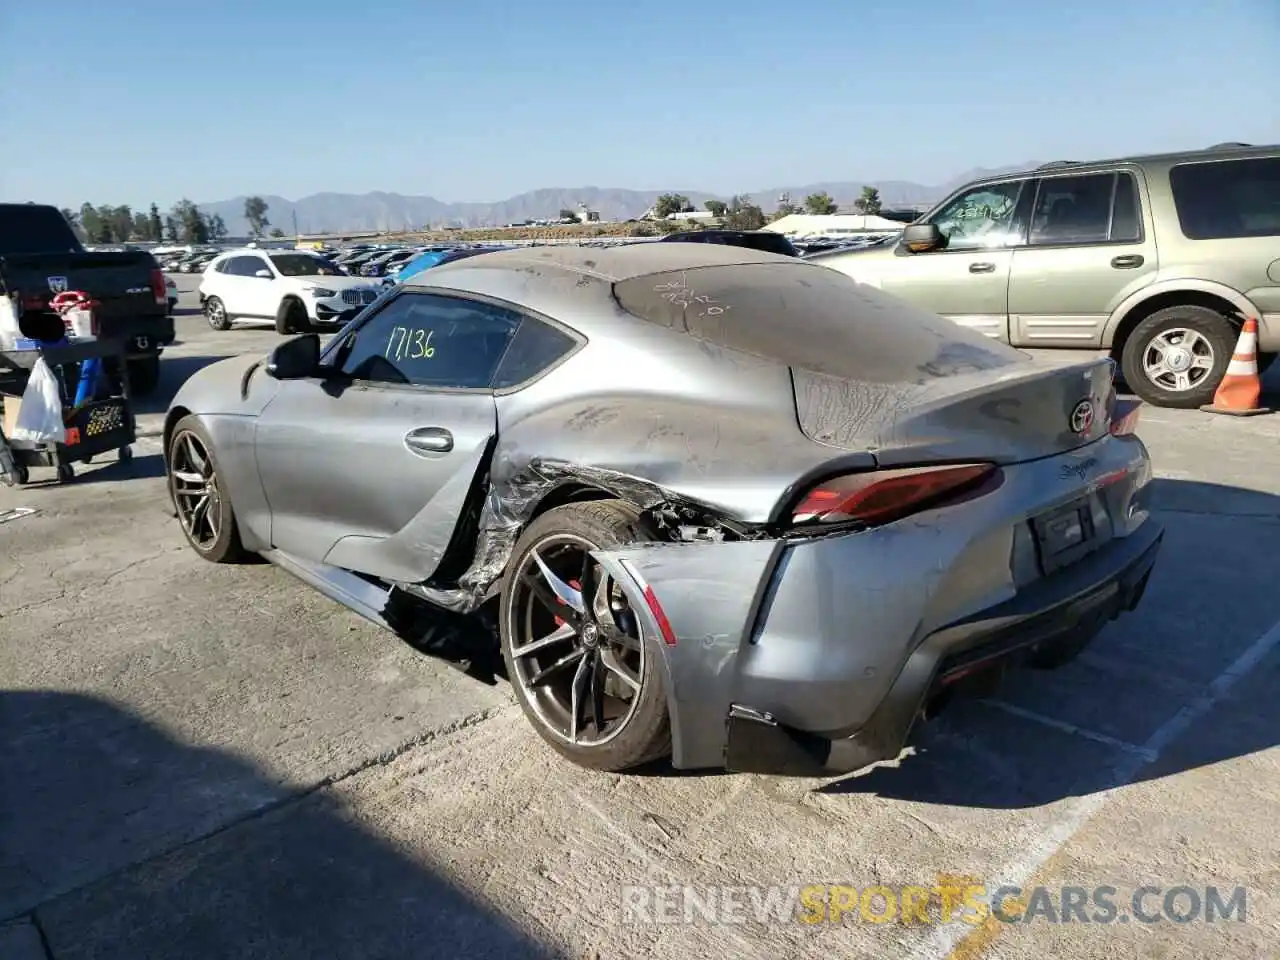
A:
(1177, 356)
(291, 317)
(574, 652)
(199, 495)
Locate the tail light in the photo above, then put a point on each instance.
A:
(1124, 417)
(887, 495)
(157, 287)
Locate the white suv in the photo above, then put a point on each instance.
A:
(296, 290)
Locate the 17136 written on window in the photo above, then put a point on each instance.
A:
(431, 340)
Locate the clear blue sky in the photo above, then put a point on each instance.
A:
(483, 99)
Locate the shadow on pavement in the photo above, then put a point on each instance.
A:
(174, 372)
(127, 843)
(1047, 735)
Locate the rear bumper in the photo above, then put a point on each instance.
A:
(1079, 599)
(843, 637)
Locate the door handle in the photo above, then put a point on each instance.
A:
(982, 268)
(1127, 262)
(429, 440)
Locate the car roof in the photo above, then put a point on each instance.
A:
(1226, 151)
(610, 264)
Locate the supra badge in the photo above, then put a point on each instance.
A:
(1082, 417)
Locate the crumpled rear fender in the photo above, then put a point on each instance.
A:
(713, 590)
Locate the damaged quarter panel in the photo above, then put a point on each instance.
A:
(838, 616)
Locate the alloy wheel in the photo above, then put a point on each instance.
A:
(214, 312)
(1178, 359)
(195, 491)
(575, 643)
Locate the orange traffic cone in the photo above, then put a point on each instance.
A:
(1240, 391)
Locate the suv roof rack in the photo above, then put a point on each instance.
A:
(1230, 146)
(1057, 163)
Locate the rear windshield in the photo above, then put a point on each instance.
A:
(766, 242)
(813, 318)
(34, 228)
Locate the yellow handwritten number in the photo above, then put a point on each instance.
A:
(406, 344)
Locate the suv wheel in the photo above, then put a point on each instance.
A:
(291, 317)
(1177, 356)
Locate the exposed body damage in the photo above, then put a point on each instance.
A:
(755, 514)
(507, 509)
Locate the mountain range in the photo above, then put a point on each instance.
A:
(334, 212)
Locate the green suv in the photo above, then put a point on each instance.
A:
(1155, 260)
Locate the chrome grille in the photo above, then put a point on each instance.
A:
(352, 297)
(369, 295)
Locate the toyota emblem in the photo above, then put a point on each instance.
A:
(1082, 417)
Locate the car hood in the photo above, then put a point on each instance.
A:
(236, 386)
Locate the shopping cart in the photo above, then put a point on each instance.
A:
(94, 382)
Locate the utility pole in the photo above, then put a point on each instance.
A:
(295, 223)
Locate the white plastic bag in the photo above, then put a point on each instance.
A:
(40, 415)
(9, 330)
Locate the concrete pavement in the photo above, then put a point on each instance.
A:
(203, 761)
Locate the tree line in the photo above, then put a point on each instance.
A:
(184, 223)
(740, 213)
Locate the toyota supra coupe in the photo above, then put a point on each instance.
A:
(725, 506)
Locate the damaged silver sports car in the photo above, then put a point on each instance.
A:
(723, 505)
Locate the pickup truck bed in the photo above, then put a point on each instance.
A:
(40, 257)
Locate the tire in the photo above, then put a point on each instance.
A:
(291, 317)
(66, 473)
(642, 732)
(1213, 336)
(217, 546)
(215, 314)
(144, 375)
(1265, 360)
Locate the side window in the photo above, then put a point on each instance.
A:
(1126, 216)
(981, 218)
(242, 266)
(432, 341)
(1227, 198)
(1073, 209)
(534, 348)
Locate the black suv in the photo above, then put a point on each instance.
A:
(764, 240)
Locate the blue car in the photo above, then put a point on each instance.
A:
(433, 258)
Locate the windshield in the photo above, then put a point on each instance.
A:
(304, 265)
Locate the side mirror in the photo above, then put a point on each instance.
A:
(296, 358)
(264, 274)
(923, 237)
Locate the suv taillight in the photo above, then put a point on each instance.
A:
(157, 287)
(887, 495)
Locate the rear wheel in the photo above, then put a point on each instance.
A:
(199, 495)
(291, 317)
(573, 649)
(1177, 356)
(216, 314)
